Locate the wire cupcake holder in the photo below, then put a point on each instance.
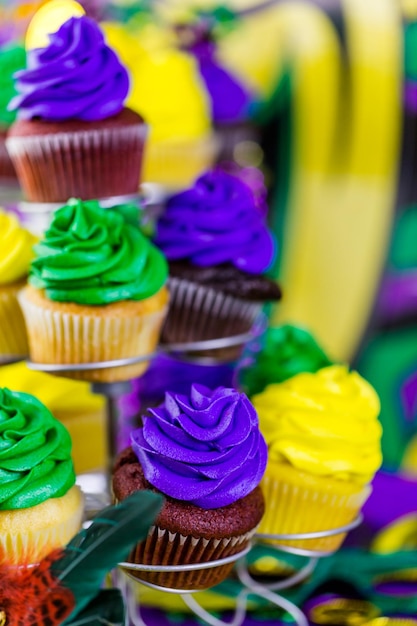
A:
(37, 216)
(129, 572)
(9, 360)
(250, 587)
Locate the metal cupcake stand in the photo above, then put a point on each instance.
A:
(251, 587)
(40, 216)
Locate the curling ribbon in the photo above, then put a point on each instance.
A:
(334, 610)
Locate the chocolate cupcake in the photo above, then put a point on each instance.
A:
(73, 136)
(218, 245)
(206, 455)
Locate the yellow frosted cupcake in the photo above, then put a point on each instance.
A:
(40, 506)
(96, 292)
(73, 404)
(323, 440)
(168, 92)
(16, 253)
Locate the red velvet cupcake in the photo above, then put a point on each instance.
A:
(73, 136)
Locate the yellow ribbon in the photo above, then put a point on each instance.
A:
(346, 141)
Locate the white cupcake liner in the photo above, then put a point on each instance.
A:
(37, 216)
(199, 313)
(162, 547)
(86, 164)
(297, 509)
(13, 336)
(71, 338)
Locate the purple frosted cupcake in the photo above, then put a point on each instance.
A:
(206, 455)
(73, 136)
(218, 246)
(231, 101)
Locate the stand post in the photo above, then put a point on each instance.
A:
(112, 392)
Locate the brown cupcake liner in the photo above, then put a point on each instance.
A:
(37, 216)
(200, 313)
(7, 171)
(165, 548)
(65, 337)
(13, 336)
(86, 164)
(298, 509)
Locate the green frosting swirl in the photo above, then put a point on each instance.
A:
(35, 453)
(97, 256)
(287, 351)
(410, 51)
(11, 60)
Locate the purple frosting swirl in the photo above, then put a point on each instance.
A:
(77, 76)
(205, 449)
(410, 95)
(230, 101)
(215, 222)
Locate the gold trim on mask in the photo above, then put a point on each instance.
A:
(343, 612)
(392, 621)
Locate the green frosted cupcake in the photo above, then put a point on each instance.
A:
(96, 292)
(41, 508)
(288, 350)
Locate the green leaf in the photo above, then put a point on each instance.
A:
(99, 548)
(106, 608)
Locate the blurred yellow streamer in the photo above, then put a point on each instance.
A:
(345, 159)
(345, 150)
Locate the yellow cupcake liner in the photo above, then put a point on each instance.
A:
(28, 535)
(176, 164)
(13, 336)
(163, 547)
(76, 334)
(297, 503)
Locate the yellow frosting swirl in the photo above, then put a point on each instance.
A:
(16, 245)
(166, 88)
(323, 423)
(60, 395)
